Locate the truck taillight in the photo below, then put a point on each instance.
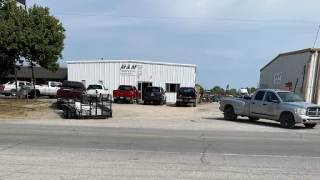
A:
(195, 96)
(160, 94)
(3, 86)
(58, 93)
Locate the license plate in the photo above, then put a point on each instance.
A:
(152, 94)
(121, 97)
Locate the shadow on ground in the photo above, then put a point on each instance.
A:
(259, 123)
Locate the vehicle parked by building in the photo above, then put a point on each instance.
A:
(283, 106)
(154, 95)
(126, 93)
(50, 89)
(99, 91)
(187, 95)
(10, 87)
(69, 90)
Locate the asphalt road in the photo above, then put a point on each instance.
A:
(33, 151)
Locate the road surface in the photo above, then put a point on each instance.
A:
(35, 151)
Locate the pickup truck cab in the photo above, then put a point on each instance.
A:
(283, 106)
(126, 93)
(98, 90)
(50, 89)
(69, 90)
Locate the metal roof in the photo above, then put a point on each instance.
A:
(130, 61)
(291, 53)
(39, 72)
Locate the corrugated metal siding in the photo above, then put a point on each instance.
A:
(291, 67)
(109, 73)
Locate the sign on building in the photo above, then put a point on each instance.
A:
(277, 78)
(131, 69)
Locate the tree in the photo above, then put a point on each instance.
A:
(35, 35)
(44, 40)
(252, 90)
(233, 91)
(11, 36)
(201, 89)
(217, 90)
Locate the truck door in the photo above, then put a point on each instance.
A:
(257, 107)
(271, 101)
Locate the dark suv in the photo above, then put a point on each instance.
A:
(154, 94)
(187, 95)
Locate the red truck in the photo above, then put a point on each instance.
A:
(126, 93)
(69, 90)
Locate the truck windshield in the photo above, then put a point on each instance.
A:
(125, 88)
(152, 89)
(289, 97)
(94, 87)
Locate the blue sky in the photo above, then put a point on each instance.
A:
(225, 52)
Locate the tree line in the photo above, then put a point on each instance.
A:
(220, 90)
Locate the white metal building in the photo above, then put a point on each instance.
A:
(298, 71)
(113, 73)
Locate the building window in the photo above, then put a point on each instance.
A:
(172, 87)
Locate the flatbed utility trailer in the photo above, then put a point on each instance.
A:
(87, 107)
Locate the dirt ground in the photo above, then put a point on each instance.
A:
(45, 109)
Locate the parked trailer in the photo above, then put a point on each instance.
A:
(87, 107)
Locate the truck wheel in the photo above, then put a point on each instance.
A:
(161, 103)
(310, 125)
(177, 104)
(287, 121)
(253, 119)
(131, 100)
(194, 104)
(229, 114)
(13, 92)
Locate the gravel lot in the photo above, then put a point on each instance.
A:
(202, 117)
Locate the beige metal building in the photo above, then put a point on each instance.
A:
(297, 71)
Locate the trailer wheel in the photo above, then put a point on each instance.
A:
(229, 114)
(69, 114)
(287, 121)
(65, 112)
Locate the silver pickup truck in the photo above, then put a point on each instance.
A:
(282, 106)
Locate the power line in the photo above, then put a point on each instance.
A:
(189, 18)
(316, 37)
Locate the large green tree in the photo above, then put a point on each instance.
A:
(11, 36)
(34, 35)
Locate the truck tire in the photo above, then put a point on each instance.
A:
(177, 104)
(253, 118)
(132, 101)
(310, 125)
(13, 92)
(194, 104)
(229, 114)
(287, 121)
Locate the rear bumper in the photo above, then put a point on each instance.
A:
(187, 100)
(147, 98)
(307, 119)
(121, 98)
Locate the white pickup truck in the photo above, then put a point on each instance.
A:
(10, 87)
(50, 89)
(283, 106)
(98, 90)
